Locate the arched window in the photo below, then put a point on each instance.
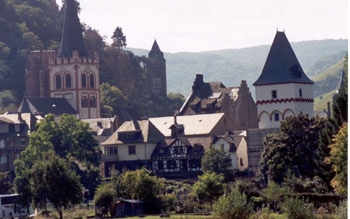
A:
(84, 102)
(92, 81)
(93, 102)
(68, 81)
(83, 80)
(58, 82)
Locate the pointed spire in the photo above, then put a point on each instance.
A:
(72, 37)
(155, 51)
(282, 65)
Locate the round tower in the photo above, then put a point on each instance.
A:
(283, 89)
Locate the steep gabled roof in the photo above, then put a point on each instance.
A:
(282, 65)
(72, 37)
(44, 106)
(148, 133)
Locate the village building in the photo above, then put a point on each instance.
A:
(14, 138)
(130, 147)
(214, 97)
(171, 147)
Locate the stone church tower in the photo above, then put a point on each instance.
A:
(283, 89)
(70, 73)
(156, 71)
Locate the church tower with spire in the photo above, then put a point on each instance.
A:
(156, 71)
(282, 89)
(70, 73)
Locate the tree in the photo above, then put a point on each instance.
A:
(5, 183)
(232, 205)
(93, 41)
(53, 180)
(141, 185)
(273, 193)
(8, 100)
(105, 195)
(112, 98)
(209, 187)
(294, 150)
(340, 100)
(216, 160)
(338, 159)
(119, 40)
(70, 139)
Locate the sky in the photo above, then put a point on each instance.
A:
(203, 25)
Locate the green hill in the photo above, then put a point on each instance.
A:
(230, 66)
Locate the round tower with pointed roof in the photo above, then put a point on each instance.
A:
(283, 89)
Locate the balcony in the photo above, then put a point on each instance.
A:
(109, 157)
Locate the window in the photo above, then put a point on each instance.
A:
(93, 102)
(300, 92)
(3, 159)
(222, 147)
(132, 149)
(23, 141)
(58, 82)
(68, 81)
(274, 94)
(83, 80)
(92, 81)
(111, 150)
(84, 102)
(2, 143)
(241, 161)
(277, 117)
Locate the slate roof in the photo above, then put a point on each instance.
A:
(201, 124)
(72, 36)
(44, 106)
(282, 65)
(149, 133)
(155, 51)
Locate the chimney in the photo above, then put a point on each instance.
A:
(197, 82)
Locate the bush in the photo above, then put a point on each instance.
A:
(262, 214)
(298, 208)
(233, 205)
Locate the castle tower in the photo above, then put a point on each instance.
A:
(283, 89)
(156, 71)
(71, 73)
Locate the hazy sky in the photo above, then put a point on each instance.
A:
(201, 25)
